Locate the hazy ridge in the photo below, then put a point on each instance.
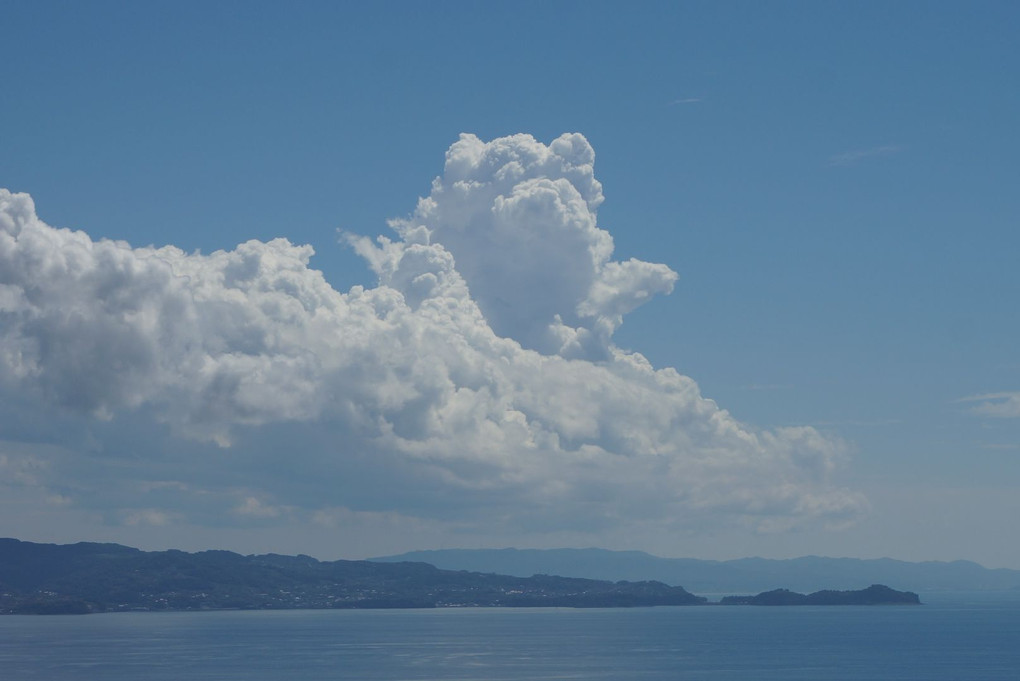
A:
(808, 573)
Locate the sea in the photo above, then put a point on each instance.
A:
(955, 637)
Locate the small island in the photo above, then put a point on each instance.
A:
(876, 594)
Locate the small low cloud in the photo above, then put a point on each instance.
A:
(147, 516)
(1000, 446)
(252, 507)
(1004, 405)
(852, 157)
(20, 470)
(687, 100)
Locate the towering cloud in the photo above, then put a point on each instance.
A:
(519, 218)
(482, 360)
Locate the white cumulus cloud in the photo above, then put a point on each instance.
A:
(478, 378)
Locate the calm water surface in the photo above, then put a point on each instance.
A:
(952, 637)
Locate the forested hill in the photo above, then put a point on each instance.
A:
(85, 577)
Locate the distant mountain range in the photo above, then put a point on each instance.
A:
(810, 573)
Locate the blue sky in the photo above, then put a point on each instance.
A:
(832, 184)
